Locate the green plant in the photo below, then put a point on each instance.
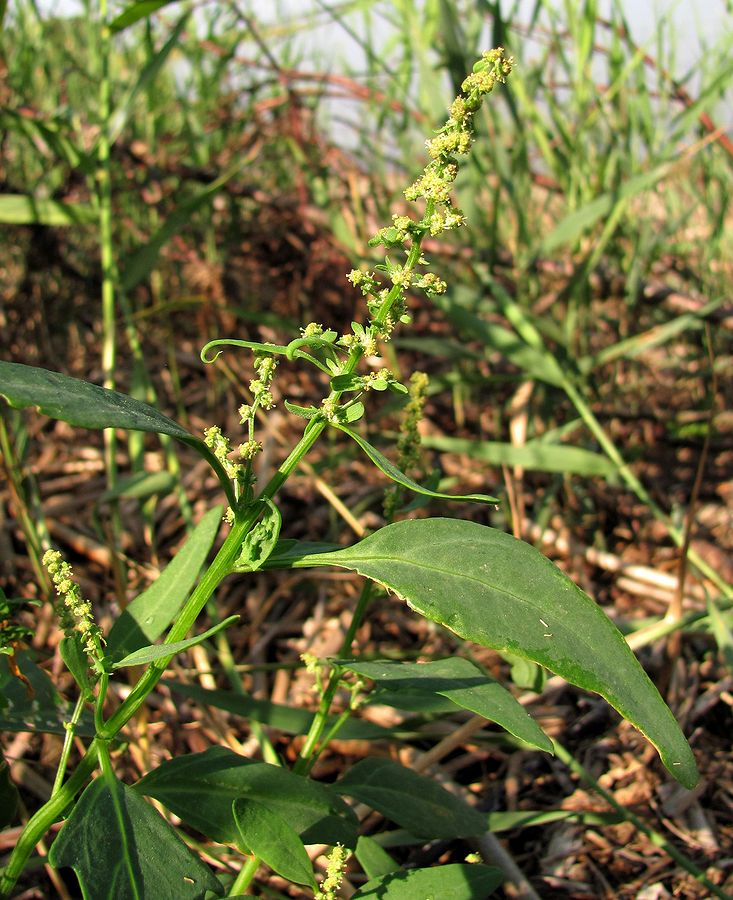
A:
(480, 583)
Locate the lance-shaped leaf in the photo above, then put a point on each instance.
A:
(413, 801)
(136, 11)
(490, 588)
(162, 651)
(24, 209)
(115, 843)
(91, 406)
(391, 471)
(454, 882)
(459, 681)
(150, 613)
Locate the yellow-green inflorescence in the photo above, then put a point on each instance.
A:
(241, 472)
(386, 304)
(75, 613)
(408, 443)
(337, 859)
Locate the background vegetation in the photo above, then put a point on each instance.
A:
(207, 172)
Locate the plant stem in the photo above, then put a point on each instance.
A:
(68, 742)
(245, 876)
(221, 566)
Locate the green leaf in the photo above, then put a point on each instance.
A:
(391, 471)
(162, 651)
(374, 859)
(534, 455)
(24, 209)
(723, 634)
(490, 588)
(91, 406)
(200, 788)
(288, 719)
(271, 837)
(453, 882)
(581, 220)
(135, 12)
(288, 550)
(76, 661)
(413, 801)
(508, 820)
(53, 132)
(150, 613)
(352, 413)
(305, 412)
(463, 684)
(116, 842)
(260, 541)
(149, 73)
(140, 486)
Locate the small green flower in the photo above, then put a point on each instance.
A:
(249, 449)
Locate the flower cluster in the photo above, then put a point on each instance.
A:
(408, 443)
(386, 305)
(337, 859)
(75, 614)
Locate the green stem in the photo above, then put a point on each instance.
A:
(221, 566)
(244, 879)
(311, 750)
(68, 743)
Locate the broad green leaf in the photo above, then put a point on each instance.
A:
(150, 613)
(162, 651)
(136, 11)
(260, 541)
(116, 843)
(8, 796)
(490, 588)
(91, 406)
(454, 882)
(462, 683)
(23, 209)
(201, 787)
(271, 837)
(534, 455)
(374, 859)
(288, 719)
(413, 801)
(391, 471)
